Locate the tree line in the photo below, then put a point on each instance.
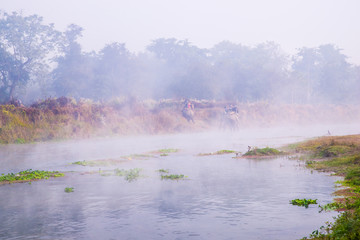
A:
(38, 61)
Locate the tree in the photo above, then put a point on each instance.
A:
(26, 44)
(186, 68)
(323, 73)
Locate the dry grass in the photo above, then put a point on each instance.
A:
(65, 118)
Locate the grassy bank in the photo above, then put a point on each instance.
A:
(340, 156)
(64, 118)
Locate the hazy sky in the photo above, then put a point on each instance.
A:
(291, 23)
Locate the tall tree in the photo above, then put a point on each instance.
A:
(26, 44)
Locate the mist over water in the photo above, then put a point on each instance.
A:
(221, 198)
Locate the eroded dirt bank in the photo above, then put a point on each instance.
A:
(64, 118)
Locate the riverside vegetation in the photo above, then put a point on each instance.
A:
(64, 118)
(339, 155)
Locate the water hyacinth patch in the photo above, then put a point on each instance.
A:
(29, 175)
(69, 189)
(130, 175)
(303, 202)
(173, 177)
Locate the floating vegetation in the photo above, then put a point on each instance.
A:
(69, 189)
(28, 175)
(263, 152)
(130, 175)
(173, 177)
(303, 202)
(138, 156)
(100, 162)
(220, 152)
(163, 171)
(164, 152)
(168, 150)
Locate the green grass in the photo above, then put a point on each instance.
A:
(29, 175)
(173, 177)
(303, 202)
(101, 162)
(168, 150)
(267, 151)
(69, 189)
(130, 175)
(220, 152)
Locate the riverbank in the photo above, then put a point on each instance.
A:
(65, 118)
(339, 155)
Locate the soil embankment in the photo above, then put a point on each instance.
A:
(65, 118)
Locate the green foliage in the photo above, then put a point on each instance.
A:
(353, 176)
(168, 150)
(69, 189)
(267, 151)
(303, 202)
(130, 175)
(20, 141)
(29, 175)
(220, 152)
(331, 206)
(163, 171)
(173, 176)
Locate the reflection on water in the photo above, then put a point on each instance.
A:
(221, 198)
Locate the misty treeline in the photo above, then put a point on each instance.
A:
(38, 61)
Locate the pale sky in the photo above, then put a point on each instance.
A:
(291, 23)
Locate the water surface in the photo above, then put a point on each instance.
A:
(221, 198)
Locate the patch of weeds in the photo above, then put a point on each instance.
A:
(267, 151)
(138, 156)
(101, 162)
(163, 171)
(130, 175)
(331, 207)
(20, 141)
(164, 155)
(303, 202)
(173, 177)
(29, 175)
(69, 189)
(220, 152)
(168, 150)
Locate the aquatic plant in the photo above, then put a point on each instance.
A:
(303, 202)
(267, 151)
(29, 175)
(173, 176)
(69, 189)
(138, 156)
(220, 152)
(163, 171)
(100, 162)
(130, 175)
(168, 150)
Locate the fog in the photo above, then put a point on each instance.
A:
(300, 52)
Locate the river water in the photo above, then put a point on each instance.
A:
(222, 197)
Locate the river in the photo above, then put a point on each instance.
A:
(221, 197)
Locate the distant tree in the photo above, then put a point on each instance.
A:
(323, 74)
(248, 73)
(26, 45)
(74, 74)
(114, 70)
(186, 68)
